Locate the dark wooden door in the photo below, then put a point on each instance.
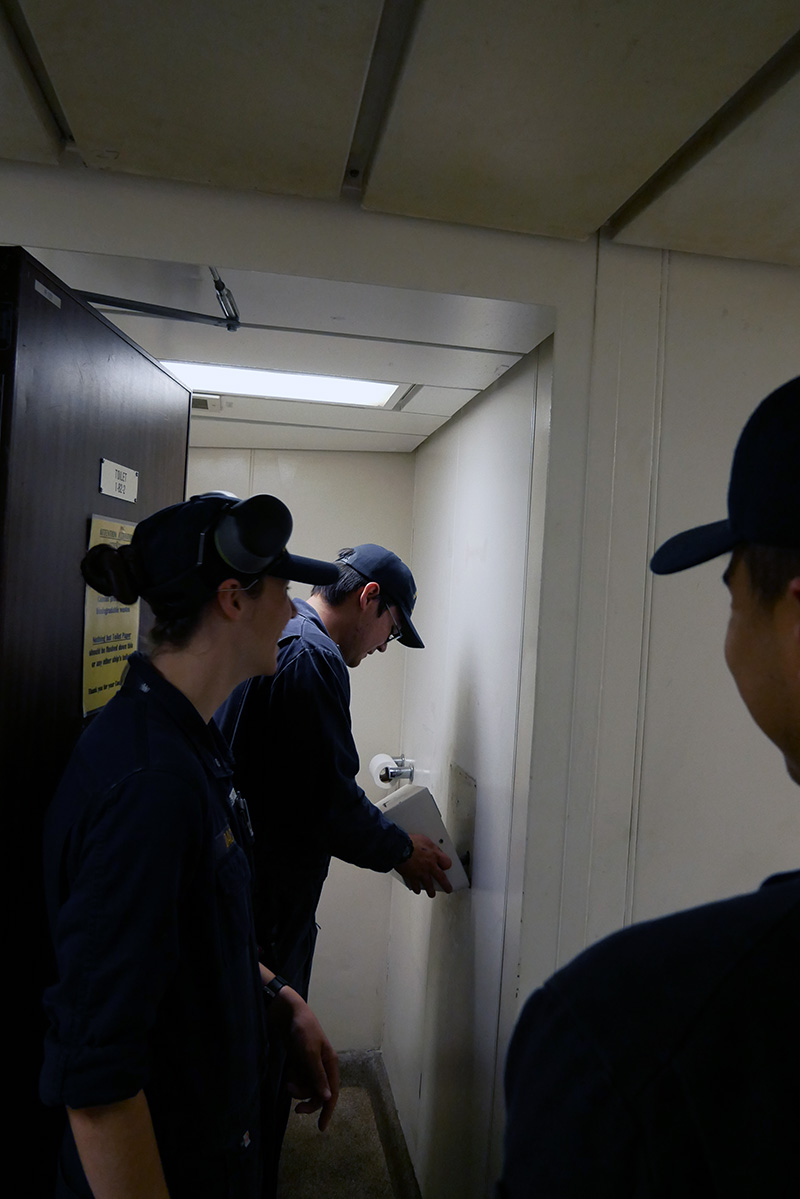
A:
(73, 390)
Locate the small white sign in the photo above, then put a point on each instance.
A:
(47, 293)
(119, 481)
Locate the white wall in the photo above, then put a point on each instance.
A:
(472, 490)
(339, 499)
(672, 796)
(715, 805)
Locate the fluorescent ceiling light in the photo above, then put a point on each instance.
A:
(280, 385)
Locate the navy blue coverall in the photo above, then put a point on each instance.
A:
(665, 1061)
(149, 901)
(296, 764)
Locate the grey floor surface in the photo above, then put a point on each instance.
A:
(344, 1161)
(361, 1155)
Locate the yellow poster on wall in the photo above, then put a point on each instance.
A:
(110, 629)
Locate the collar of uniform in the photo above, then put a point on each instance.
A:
(305, 611)
(142, 680)
(788, 876)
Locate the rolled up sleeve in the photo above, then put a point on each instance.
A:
(115, 934)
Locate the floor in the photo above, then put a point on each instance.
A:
(362, 1154)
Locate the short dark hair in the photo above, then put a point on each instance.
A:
(770, 569)
(349, 580)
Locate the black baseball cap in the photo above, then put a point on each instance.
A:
(381, 566)
(182, 553)
(763, 494)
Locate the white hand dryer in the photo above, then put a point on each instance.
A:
(414, 809)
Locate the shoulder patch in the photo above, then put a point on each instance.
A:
(225, 839)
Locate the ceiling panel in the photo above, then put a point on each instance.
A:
(742, 199)
(447, 348)
(472, 322)
(27, 130)
(241, 94)
(438, 401)
(321, 305)
(222, 434)
(546, 117)
(318, 353)
(331, 416)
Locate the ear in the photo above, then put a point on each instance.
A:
(230, 599)
(791, 620)
(368, 594)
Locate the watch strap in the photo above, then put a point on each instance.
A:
(406, 854)
(273, 987)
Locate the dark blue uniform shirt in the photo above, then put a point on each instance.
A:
(149, 902)
(296, 763)
(664, 1062)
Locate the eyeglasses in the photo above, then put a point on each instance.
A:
(259, 579)
(385, 605)
(395, 633)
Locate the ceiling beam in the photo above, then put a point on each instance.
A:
(766, 82)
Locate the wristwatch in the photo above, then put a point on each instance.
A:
(272, 988)
(406, 854)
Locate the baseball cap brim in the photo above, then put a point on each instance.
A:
(693, 547)
(303, 570)
(410, 637)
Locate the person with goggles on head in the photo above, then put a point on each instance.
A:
(157, 1019)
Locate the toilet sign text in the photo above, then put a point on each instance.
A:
(117, 480)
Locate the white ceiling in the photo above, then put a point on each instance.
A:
(445, 348)
(665, 123)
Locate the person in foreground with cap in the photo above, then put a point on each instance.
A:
(156, 1019)
(297, 762)
(665, 1061)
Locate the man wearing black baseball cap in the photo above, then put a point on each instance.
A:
(665, 1060)
(296, 726)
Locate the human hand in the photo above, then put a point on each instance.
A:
(425, 867)
(312, 1064)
